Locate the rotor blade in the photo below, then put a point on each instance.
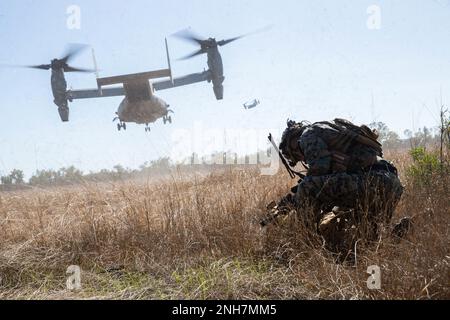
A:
(41, 67)
(72, 69)
(196, 53)
(72, 50)
(224, 42)
(188, 35)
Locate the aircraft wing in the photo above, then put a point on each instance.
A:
(95, 93)
(133, 90)
(183, 81)
(136, 87)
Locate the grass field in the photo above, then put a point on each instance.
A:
(198, 237)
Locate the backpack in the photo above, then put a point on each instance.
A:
(354, 148)
(361, 134)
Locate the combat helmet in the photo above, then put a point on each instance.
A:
(293, 131)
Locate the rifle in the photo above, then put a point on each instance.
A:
(286, 204)
(284, 207)
(291, 172)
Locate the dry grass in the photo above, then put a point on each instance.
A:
(199, 238)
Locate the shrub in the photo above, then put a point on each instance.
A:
(426, 165)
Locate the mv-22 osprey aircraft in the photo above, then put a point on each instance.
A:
(140, 104)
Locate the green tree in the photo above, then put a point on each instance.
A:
(381, 128)
(44, 177)
(69, 175)
(119, 169)
(389, 139)
(161, 163)
(392, 140)
(17, 176)
(6, 180)
(120, 172)
(425, 165)
(14, 177)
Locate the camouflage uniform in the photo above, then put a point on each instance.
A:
(352, 177)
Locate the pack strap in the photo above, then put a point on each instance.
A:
(350, 133)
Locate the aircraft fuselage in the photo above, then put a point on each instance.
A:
(142, 111)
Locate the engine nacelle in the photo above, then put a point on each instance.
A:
(59, 89)
(216, 69)
(218, 91)
(64, 113)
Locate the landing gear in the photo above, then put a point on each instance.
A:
(167, 119)
(121, 125)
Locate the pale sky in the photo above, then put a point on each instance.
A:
(320, 60)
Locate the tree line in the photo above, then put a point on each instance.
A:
(423, 137)
(72, 175)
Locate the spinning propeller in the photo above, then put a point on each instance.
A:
(209, 43)
(58, 64)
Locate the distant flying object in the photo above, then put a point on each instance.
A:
(140, 104)
(251, 104)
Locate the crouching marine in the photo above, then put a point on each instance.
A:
(348, 186)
